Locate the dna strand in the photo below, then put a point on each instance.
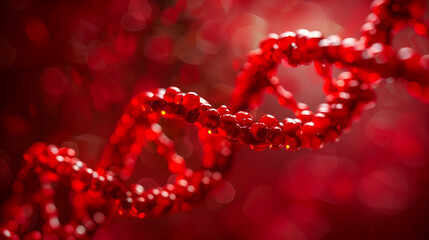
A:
(99, 191)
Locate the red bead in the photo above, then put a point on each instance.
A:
(321, 121)
(267, 43)
(339, 112)
(223, 110)
(8, 234)
(149, 200)
(275, 137)
(163, 199)
(158, 91)
(291, 125)
(168, 111)
(312, 42)
(126, 203)
(180, 187)
(246, 122)
(191, 100)
(136, 189)
(140, 205)
(246, 137)
(305, 140)
(257, 57)
(305, 115)
(331, 135)
(156, 102)
(269, 120)
(229, 127)
(170, 93)
(178, 98)
(309, 128)
(203, 108)
(240, 116)
(301, 38)
(98, 183)
(334, 47)
(285, 98)
(211, 118)
(227, 123)
(285, 40)
(259, 130)
(179, 109)
(324, 108)
(145, 96)
(191, 193)
(191, 115)
(83, 179)
(278, 54)
(316, 142)
(292, 142)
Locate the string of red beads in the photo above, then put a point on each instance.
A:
(97, 191)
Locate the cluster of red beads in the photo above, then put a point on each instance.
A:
(388, 17)
(50, 168)
(370, 58)
(98, 190)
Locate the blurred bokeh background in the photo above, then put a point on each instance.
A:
(67, 68)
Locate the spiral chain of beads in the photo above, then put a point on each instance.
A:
(101, 190)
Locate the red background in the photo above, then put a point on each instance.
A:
(67, 68)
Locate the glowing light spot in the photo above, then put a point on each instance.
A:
(50, 208)
(54, 222)
(7, 233)
(386, 191)
(225, 195)
(374, 77)
(54, 81)
(225, 151)
(80, 230)
(15, 125)
(405, 53)
(209, 131)
(163, 112)
(420, 29)
(287, 146)
(37, 32)
(158, 48)
(131, 23)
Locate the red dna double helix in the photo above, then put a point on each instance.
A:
(102, 190)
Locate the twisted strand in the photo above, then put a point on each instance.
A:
(99, 191)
